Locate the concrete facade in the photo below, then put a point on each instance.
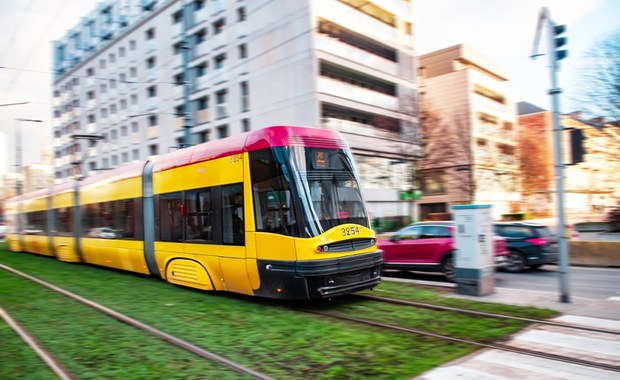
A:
(471, 133)
(340, 64)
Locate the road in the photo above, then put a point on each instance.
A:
(586, 282)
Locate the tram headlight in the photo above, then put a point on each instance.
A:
(322, 248)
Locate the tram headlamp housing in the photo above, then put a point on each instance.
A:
(322, 248)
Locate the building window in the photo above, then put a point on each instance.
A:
(123, 131)
(201, 69)
(112, 83)
(198, 5)
(219, 61)
(241, 14)
(153, 149)
(123, 104)
(202, 103)
(102, 64)
(122, 77)
(222, 131)
(218, 26)
(152, 120)
(125, 157)
(121, 51)
(90, 95)
(133, 72)
(151, 91)
(112, 58)
(114, 161)
(91, 118)
(220, 98)
(177, 48)
(103, 88)
(150, 62)
(245, 125)
(132, 45)
(90, 72)
(200, 36)
(245, 96)
(243, 51)
(134, 127)
(134, 99)
(135, 154)
(149, 34)
(177, 17)
(104, 113)
(178, 79)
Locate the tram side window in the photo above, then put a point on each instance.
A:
(199, 216)
(89, 215)
(168, 217)
(233, 226)
(273, 200)
(36, 223)
(64, 221)
(128, 221)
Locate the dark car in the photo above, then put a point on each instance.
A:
(429, 246)
(530, 245)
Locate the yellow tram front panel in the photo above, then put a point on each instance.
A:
(311, 249)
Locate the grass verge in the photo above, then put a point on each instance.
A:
(267, 336)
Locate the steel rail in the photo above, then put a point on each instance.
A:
(144, 327)
(485, 314)
(49, 359)
(496, 346)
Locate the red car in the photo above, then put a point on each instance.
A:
(429, 246)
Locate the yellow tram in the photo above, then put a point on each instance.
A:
(275, 212)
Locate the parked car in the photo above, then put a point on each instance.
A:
(429, 246)
(530, 245)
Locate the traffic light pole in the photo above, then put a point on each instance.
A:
(555, 92)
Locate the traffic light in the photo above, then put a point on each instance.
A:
(559, 41)
(577, 149)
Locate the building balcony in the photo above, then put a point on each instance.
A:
(91, 128)
(356, 21)
(352, 127)
(353, 54)
(153, 132)
(217, 40)
(202, 83)
(358, 94)
(202, 116)
(221, 111)
(220, 76)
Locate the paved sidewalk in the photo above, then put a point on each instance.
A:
(593, 346)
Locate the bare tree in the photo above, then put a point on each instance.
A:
(447, 153)
(599, 93)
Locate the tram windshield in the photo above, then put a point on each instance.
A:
(301, 191)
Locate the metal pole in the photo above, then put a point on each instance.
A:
(185, 50)
(18, 154)
(555, 92)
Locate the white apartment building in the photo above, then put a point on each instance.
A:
(347, 65)
(471, 133)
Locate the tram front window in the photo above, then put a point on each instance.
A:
(330, 185)
(300, 191)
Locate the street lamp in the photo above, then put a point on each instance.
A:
(18, 152)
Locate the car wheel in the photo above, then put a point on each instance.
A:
(447, 268)
(516, 262)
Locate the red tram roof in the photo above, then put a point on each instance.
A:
(267, 137)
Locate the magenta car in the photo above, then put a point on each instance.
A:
(429, 246)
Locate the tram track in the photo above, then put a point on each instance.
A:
(57, 367)
(425, 305)
(496, 346)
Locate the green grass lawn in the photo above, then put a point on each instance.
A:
(267, 336)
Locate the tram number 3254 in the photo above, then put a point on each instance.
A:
(350, 231)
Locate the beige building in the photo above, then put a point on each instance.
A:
(470, 132)
(590, 186)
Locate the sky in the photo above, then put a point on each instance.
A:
(502, 30)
